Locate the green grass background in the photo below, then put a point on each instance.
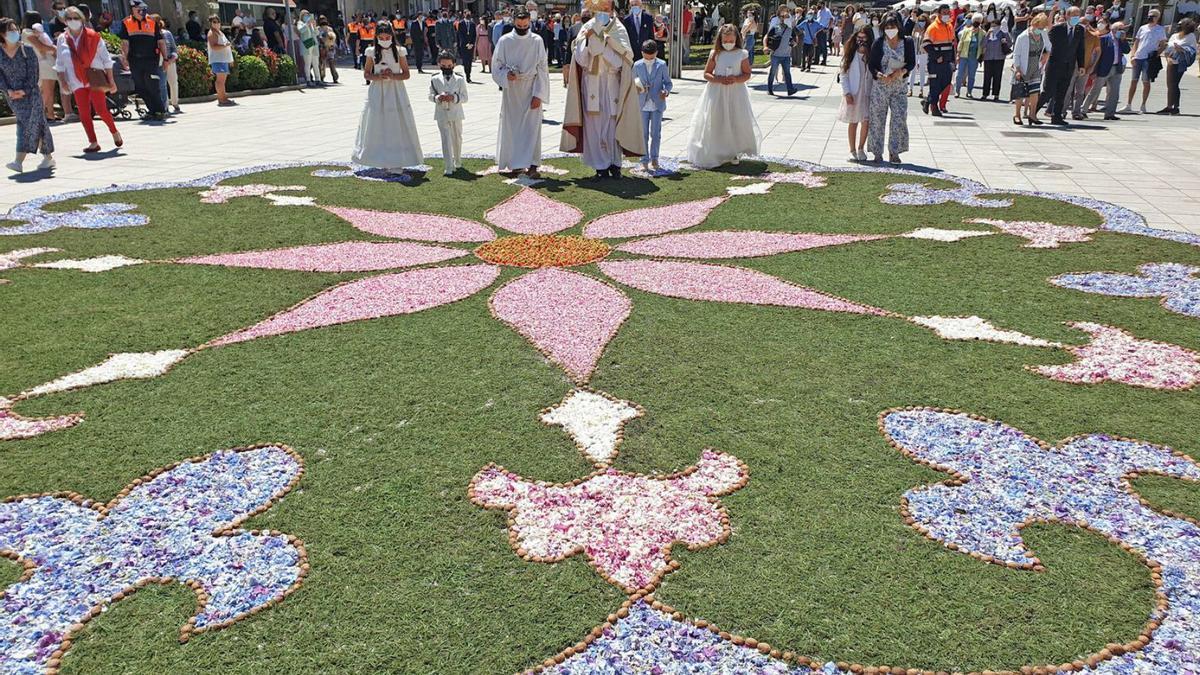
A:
(394, 416)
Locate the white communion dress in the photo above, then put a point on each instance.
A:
(723, 124)
(387, 132)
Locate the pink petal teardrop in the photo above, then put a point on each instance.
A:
(529, 212)
(422, 226)
(347, 256)
(653, 220)
(737, 244)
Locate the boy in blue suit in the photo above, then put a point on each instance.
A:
(654, 84)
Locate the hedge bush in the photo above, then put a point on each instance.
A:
(253, 72)
(270, 58)
(286, 73)
(195, 77)
(112, 42)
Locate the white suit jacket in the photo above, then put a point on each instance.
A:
(457, 86)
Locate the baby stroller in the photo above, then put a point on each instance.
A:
(118, 101)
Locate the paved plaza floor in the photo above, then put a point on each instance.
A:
(1144, 162)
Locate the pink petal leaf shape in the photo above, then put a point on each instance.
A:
(1115, 355)
(1039, 234)
(653, 220)
(373, 298)
(529, 212)
(347, 256)
(737, 244)
(422, 226)
(718, 283)
(568, 316)
(15, 427)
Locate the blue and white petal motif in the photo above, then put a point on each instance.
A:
(1178, 285)
(90, 217)
(1007, 478)
(919, 194)
(179, 525)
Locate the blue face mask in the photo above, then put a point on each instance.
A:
(1074, 21)
(13, 37)
(602, 18)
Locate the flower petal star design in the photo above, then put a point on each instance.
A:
(1178, 285)
(220, 194)
(179, 524)
(1118, 356)
(595, 421)
(1005, 479)
(1038, 234)
(624, 523)
(567, 314)
(90, 217)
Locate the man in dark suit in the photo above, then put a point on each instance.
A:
(464, 34)
(638, 23)
(1066, 58)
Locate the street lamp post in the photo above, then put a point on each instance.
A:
(676, 59)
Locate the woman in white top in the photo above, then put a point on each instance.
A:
(723, 125)
(35, 36)
(856, 93)
(1184, 37)
(387, 131)
(921, 73)
(81, 53)
(220, 55)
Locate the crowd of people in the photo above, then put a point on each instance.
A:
(1062, 59)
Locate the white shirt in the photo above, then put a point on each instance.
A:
(66, 67)
(1148, 37)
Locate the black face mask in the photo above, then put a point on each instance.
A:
(447, 72)
(521, 31)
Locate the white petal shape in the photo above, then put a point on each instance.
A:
(594, 421)
(938, 234)
(530, 212)
(102, 263)
(653, 220)
(751, 189)
(569, 317)
(289, 200)
(11, 259)
(977, 328)
(128, 366)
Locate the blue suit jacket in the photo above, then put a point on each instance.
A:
(656, 80)
(1107, 61)
(639, 33)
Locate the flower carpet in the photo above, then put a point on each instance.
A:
(779, 418)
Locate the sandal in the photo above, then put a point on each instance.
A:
(117, 140)
(1017, 120)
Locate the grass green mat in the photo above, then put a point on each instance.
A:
(394, 416)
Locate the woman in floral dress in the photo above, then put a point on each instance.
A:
(19, 85)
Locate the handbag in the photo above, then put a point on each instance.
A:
(774, 38)
(1020, 89)
(97, 78)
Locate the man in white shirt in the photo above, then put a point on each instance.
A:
(825, 19)
(1151, 38)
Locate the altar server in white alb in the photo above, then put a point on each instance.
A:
(448, 91)
(519, 67)
(603, 119)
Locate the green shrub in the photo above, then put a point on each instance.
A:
(4, 109)
(270, 58)
(195, 77)
(234, 81)
(253, 73)
(112, 42)
(286, 75)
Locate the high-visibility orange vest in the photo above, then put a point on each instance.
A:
(398, 24)
(367, 31)
(135, 27)
(352, 27)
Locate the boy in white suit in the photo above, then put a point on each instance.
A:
(654, 84)
(448, 91)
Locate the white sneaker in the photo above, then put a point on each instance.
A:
(1126, 111)
(47, 162)
(14, 166)
(862, 155)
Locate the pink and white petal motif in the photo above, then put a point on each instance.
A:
(653, 220)
(806, 178)
(373, 298)
(529, 212)
(625, 523)
(15, 427)
(347, 256)
(220, 194)
(1038, 234)
(422, 226)
(737, 244)
(717, 283)
(1118, 356)
(569, 317)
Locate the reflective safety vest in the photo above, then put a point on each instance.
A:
(398, 24)
(134, 27)
(367, 31)
(352, 28)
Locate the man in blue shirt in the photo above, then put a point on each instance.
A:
(809, 29)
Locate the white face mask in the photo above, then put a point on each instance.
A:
(891, 33)
(384, 44)
(74, 25)
(728, 46)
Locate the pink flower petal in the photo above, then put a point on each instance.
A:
(1039, 234)
(529, 212)
(1118, 356)
(695, 281)
(422, 226)
(737, 244)
(653, 220)
(14, 426)
(347, 256)
(568, 316)
(372, 298)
